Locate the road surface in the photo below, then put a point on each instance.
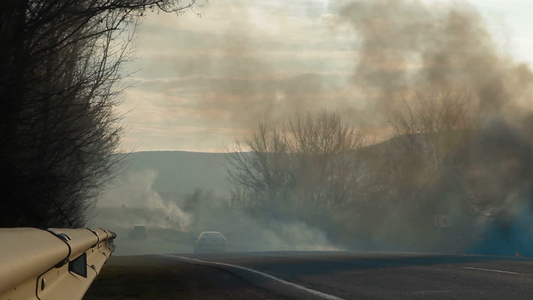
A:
(353, 275)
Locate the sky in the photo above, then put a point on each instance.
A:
(200, 83)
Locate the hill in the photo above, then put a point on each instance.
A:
(180, 172)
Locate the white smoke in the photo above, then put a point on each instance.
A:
(134, 201)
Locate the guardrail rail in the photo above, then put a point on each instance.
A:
(53, 264)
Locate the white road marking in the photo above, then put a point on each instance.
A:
(496, 271)
(432, 292)
(314, 292)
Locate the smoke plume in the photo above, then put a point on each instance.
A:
(136, 202)
(365, 59)
(410, 45)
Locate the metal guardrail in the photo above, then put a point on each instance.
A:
(51, 264)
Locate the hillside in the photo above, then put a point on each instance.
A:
(181, 172)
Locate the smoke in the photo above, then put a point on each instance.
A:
(246, 232)
(174, 223)
(509, 234)
(410, 45)
(247, 61)
(136, 202)
(363, 59)
(296, 236)
(237, 64)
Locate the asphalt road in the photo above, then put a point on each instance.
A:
(351, 275)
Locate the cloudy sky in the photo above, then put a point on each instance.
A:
(200, 83)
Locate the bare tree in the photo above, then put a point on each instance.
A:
(59, 82)
(303, 170)
(261, 172)
(327, 163)
(423, 168)
(432, 136)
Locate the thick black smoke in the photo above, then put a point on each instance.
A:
(410, 46)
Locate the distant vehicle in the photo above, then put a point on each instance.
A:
(210, 241)
(138, 232)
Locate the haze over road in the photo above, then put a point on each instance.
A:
(351, 275)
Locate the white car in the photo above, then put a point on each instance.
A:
(210, 241)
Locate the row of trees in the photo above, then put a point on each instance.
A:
(60, 68)
(319, 169)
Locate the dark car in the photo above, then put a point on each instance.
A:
(210, 241)
(138, 232)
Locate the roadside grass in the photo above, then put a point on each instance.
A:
(135, 277)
